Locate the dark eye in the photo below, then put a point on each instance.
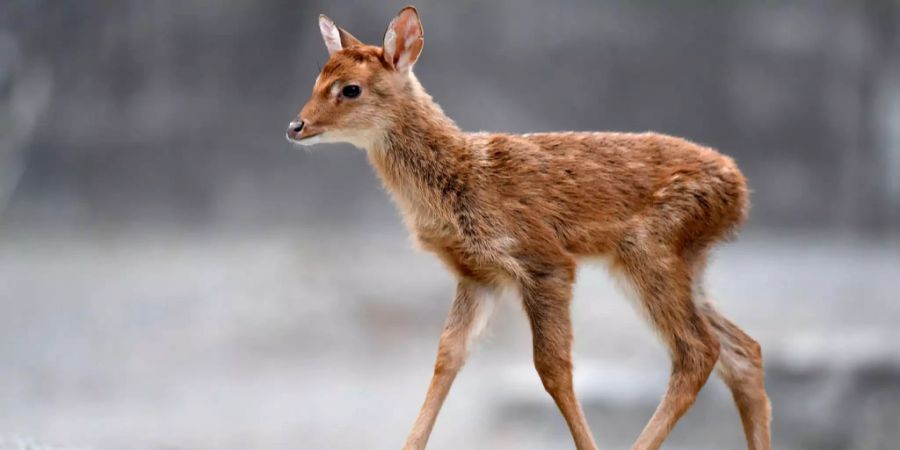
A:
(350, 91)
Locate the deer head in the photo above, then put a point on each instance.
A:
(362, 89)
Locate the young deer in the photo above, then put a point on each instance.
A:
(521, 210)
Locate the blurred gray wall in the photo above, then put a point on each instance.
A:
(174, 275)
(121, 114)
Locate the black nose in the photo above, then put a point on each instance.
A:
(294, 129)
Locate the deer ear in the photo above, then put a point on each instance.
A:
(404, 39)
(335, 38)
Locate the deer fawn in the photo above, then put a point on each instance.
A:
(506, 210)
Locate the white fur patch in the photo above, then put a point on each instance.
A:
(390, 40)
(487, 303)
(330, 34)
(364, 139)
(317, 139)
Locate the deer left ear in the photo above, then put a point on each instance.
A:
(335, 38)
(404, 39)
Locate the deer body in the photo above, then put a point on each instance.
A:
(505, 210)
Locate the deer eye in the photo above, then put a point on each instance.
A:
(350, 91)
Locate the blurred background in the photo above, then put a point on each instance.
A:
(174, 275)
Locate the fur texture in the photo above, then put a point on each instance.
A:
(506, 210)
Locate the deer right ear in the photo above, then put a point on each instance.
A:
(335, 38)
(404, 39)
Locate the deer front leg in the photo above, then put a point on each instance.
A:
(546, 297)
(468, 316)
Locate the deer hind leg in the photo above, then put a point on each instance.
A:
(741, 367)
(547, 297)
(468, 315)
(661, 281)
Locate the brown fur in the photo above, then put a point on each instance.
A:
(520, 210)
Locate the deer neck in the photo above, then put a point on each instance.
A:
(423, 158)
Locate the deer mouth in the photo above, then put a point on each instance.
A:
(306, 140)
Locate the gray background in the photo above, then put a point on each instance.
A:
(174, 275)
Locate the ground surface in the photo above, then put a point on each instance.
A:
(148, 341)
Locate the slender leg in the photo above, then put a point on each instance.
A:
(741, 367)
(663, 284)
(468, 315)
(546, 298)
